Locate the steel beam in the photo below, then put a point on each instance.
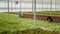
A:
(34, 12)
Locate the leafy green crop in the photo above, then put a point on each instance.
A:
(14, 24)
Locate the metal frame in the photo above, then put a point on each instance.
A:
(50, 6)
(20, 6)
(11, 6)
(31, 2)
(33, 8)
(39, 2)
(34, 12)
(8, 8)
(29, 8)
(42, 5)
(55, 5)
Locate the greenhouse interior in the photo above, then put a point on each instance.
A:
(29, 16)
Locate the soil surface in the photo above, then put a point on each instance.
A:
(39, 17)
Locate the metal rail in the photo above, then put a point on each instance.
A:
(36, 2)
(28, 8)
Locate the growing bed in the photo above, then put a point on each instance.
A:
(44, 13)
(14, 24)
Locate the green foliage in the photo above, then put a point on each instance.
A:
(16, 25)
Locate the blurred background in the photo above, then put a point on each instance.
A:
(26, 5)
